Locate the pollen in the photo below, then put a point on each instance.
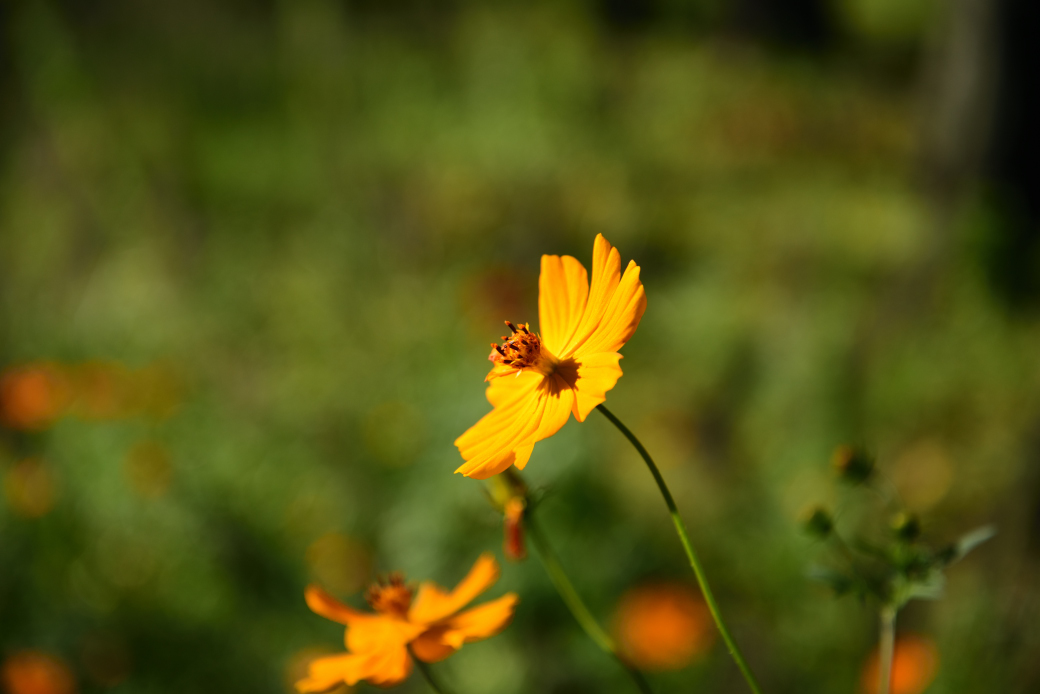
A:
(390, 596)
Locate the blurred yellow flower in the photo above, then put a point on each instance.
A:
(566, 369)
(663, 626)
(431, 627)
(914, 664)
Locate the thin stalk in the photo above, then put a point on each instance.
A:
(886, 648)
(680, 529)
(569, 594)
(427, 674)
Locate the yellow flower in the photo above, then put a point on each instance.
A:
(431, 627)
(566, 369)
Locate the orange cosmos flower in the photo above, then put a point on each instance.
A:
(431, 627)
(566, 369)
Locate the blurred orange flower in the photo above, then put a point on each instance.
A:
(663, 626)
(33, 672)
(914, 664)
(566, 369)
(431, 627)
(32, 396)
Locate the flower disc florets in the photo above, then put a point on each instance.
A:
(391, 596)
(523, 349)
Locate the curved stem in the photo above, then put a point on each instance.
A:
(886, 647)
(427, 674)
(568, 593)
(680, 528)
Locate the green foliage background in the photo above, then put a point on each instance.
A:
(318, 214)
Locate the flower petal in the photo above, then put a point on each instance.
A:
(430, 646)
(434, 603)
(597, 373)
(366, 634)
(621, 317)
(329, 607)
(380, 633)
(325, 673)
(480, 622)
(385, 667)
(391, 666)
(563, 291)
(506, 435)
(503, 391)
(523, 453)
(606, 273)
(490, 444)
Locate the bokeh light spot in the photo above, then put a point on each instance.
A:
(663, 626)
(33, 396)
(34, 672)
(102, 390)
(914, 664)
(339, 563)
(923, 474)
(30, 488)
(148, 469)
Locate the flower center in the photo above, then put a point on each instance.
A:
(390, 596)
(521, 350)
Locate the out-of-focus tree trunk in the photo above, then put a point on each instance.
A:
(960, 76)
(981, 156)
(980, 137)
(1014, 156)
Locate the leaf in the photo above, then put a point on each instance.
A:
(966, 543)
(929, 588)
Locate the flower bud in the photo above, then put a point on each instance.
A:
(906, 526)
(853, 464)
(513, 545)
(818, 524)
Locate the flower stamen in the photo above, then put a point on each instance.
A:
(390, 596)
(521, 350)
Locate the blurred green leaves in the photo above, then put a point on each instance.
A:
(317, 214)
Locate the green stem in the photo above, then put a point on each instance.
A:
(427, 674)
(562, 582)
(886, 648)
(680, 528)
